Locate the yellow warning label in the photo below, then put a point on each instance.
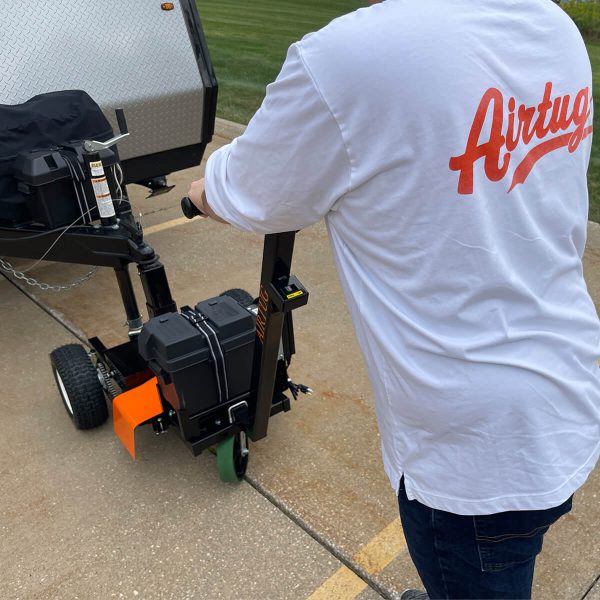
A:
(295, 294)
(96, 168)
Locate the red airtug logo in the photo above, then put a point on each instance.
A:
(522, 126)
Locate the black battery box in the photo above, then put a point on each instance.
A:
(56, 186)
(46, 121)
(187, 361)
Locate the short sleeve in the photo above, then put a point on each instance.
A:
(289, 167)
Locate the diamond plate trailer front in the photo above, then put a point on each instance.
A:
(132, 54)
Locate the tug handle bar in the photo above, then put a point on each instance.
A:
(189, 209)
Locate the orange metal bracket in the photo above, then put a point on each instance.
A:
(134, 407)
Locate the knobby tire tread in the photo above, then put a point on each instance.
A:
(80, 379)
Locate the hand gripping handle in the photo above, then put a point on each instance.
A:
(189, 209)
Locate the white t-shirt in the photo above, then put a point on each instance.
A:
(446, 144)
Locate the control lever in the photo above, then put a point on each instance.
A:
(189, 209)
(94, 146)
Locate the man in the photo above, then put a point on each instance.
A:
(446, 144)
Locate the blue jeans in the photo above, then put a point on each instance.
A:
(475, 557)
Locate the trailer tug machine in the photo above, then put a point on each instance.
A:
(215, 372)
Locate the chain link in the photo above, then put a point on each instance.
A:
(111, 388)
(6, 266)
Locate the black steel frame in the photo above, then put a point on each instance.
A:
(270, 330)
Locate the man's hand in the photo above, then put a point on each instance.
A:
(198, 197)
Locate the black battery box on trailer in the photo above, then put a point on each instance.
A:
(46, 121)
(186, 358)
(56, 186)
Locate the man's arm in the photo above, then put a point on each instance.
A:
(290, 166)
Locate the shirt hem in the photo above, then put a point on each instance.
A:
(469, 507)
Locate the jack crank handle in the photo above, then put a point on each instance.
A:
(189, 209)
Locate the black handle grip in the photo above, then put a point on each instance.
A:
(121, 122)
(189, 209)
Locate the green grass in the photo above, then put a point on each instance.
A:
(594, 171)
(586, 16)
(248, 41)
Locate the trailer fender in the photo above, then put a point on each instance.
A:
(135, 407)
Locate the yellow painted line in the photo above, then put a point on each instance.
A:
(344, 584)
(166, 225)
(382, 549)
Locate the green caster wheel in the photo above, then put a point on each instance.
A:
(232, 457)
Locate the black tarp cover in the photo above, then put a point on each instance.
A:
(44, 121)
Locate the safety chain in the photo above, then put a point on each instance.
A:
(6, 266)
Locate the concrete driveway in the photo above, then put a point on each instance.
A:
(315, 517)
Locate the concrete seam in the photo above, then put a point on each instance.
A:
(591, 588)
(327, 545)
(58, 317)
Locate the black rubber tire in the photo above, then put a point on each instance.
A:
(85, 402)
(240, 296)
